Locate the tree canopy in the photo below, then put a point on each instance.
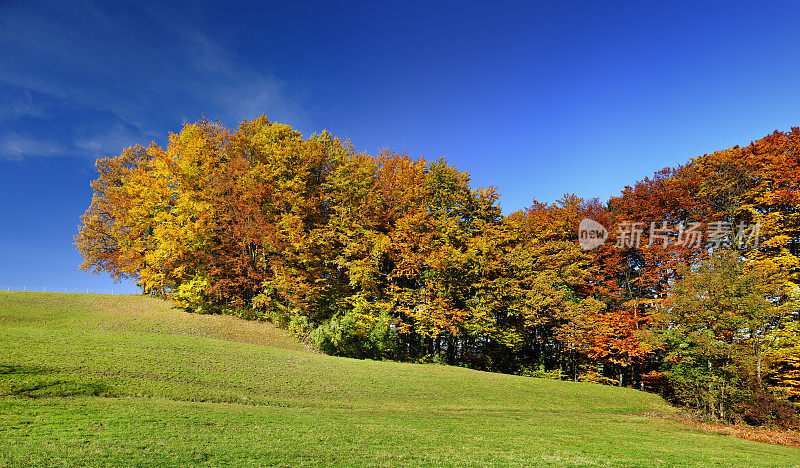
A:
(396, 257)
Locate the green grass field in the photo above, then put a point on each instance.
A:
(128, 380)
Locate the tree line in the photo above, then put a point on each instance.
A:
(395, 257)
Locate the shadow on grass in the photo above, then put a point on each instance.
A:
(42, 382)
(7, 369)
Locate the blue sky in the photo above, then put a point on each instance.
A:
(536, 98)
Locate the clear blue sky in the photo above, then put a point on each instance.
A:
(536, 98)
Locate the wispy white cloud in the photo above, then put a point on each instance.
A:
(21, 105)
(16, 147)
(101, 66)
(106, 141)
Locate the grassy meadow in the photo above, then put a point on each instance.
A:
(104, 380)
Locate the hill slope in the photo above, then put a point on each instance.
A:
(98, 380)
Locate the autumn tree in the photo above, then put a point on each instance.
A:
(390, 256)
(103, 240)
(721, 320)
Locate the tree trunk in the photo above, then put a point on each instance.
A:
(758, 369)
(709, 404)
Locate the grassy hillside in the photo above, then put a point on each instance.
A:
(99, 380)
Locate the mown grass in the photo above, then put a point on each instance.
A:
(128, 380)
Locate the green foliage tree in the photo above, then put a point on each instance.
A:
(719, 325)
